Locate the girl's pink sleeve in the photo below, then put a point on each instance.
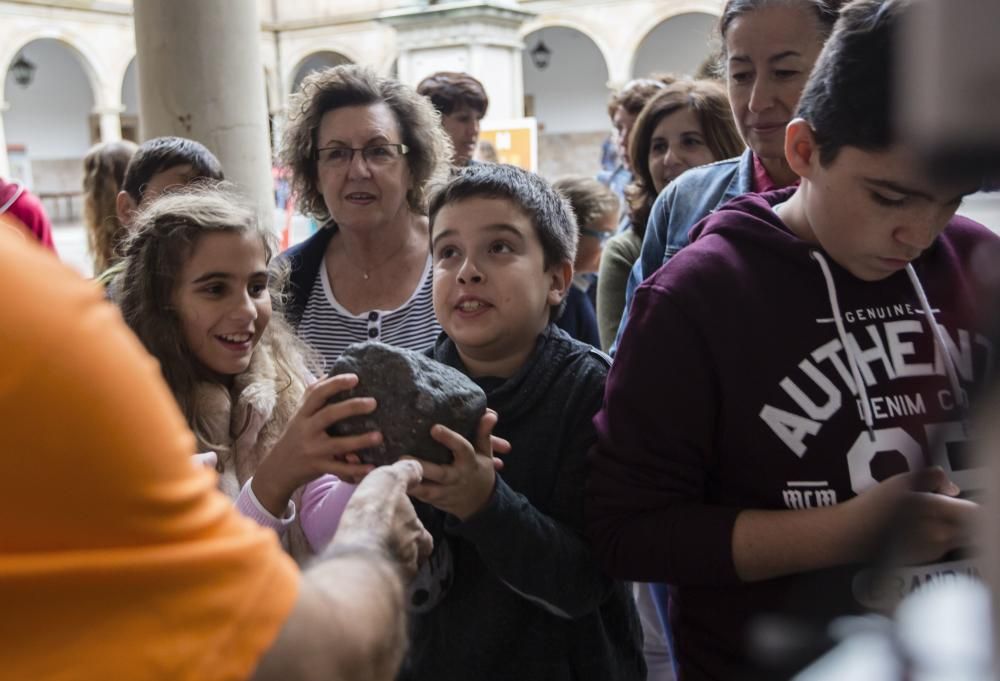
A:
(323, 502)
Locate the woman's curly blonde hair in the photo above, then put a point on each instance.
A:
(353, 85)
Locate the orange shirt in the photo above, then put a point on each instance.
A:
(118, 557)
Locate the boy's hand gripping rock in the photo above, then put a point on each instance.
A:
(465, 486)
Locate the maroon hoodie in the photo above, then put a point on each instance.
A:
(734, 389)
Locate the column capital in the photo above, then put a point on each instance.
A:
(499, 9)
(463, 22)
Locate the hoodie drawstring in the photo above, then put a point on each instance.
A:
(938, 335)
(866, 407)
(946, 358)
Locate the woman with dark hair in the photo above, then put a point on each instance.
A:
(686, 125)
(768, 50)
(362, 150)
(462, 102)
(623, 108)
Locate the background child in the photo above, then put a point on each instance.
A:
(157, 164)
(160, 163)
(196, 290)
(787, 380)
(512, 590)
(595, 207)
(103, 174)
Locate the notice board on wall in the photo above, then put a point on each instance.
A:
(512, 141)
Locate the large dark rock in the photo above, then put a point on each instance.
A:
(413, 393)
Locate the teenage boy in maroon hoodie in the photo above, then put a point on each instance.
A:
(789, 378)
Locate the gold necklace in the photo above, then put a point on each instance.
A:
(366, 274)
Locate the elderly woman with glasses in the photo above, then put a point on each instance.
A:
(362, 150)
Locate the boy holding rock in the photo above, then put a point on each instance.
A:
(512, 590)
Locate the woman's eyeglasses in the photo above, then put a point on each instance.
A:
(373, 154)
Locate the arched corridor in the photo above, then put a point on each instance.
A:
(316, 61)
(678, 45)
(50, 123)
(569, 98)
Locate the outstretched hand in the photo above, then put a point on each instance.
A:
(305, 450)
(465, 486)
(381, 516)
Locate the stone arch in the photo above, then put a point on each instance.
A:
(314, 61)
(130, 101)
(53, 113)
(543, 23)
(677, 44)
(569, 137)
(84, 56)
(130, 87)
(52, 122)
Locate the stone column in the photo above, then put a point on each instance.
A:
(480, 38)
(111, 123)
(200, 76)
(4, 162)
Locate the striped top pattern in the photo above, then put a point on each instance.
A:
(329, 328)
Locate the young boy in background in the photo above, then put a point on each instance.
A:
(157, 165)
(160, 163)
(512, 590)
(794, 375)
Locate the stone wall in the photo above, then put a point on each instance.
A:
(576, 153)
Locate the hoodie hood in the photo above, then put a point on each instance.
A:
(757, 223)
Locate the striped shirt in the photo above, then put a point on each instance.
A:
(329, 328)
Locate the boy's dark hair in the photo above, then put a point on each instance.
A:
(848, 97)
(550, 213)
(450, 90)
(163, 153)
